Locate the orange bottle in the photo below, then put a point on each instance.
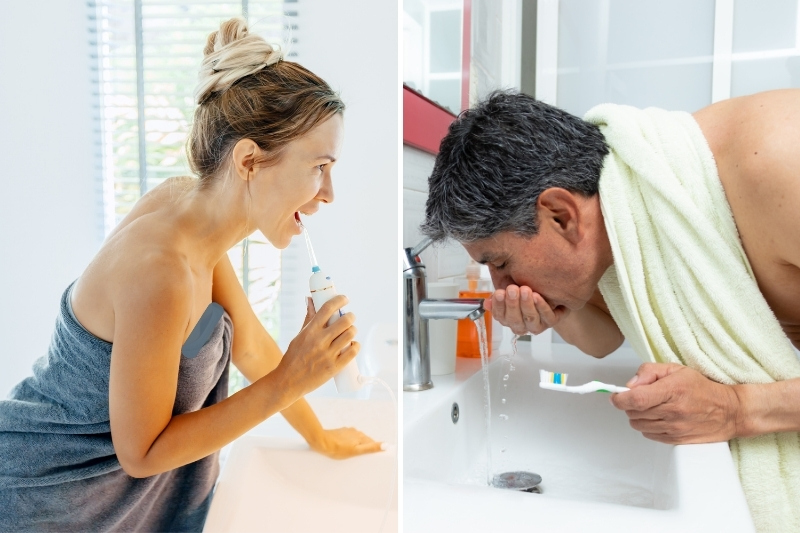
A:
(467, 341)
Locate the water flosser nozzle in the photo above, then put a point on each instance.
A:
(322, 290)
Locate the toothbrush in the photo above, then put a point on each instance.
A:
(558, 381)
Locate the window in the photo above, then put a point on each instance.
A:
(148, 56)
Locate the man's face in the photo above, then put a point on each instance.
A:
(547, 263)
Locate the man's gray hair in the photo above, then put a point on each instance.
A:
(496, 160)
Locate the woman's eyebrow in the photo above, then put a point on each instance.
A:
(333, 159)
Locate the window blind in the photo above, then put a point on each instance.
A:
(147, 55)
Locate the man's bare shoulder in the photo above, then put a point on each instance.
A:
(754, 140)
(758, 120)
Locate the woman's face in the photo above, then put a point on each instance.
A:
(297, 184)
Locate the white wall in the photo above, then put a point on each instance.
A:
(353, 45)
(50, 210)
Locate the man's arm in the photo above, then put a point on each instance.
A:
(768, 165)
(768, 408)
(754, 140)
(591, 329)
(676, 404)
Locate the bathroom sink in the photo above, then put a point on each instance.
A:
(271, 481)
(597, 473)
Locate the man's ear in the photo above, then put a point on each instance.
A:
(244, 156)
(559, 210)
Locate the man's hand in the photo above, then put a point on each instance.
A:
(523, 310)
(677, 405)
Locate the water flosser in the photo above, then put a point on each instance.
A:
(322, 290)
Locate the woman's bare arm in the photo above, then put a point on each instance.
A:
(256, 354)
(150, 323)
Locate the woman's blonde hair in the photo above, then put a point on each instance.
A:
(247, 91)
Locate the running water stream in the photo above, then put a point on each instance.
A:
(480, 323)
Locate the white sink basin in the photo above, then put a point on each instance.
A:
(271, 481)
(598, 473)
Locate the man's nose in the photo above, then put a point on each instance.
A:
(500, 281)
(325, 193)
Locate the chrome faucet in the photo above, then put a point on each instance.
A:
(417, 310)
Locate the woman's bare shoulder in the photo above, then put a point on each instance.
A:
(156, 280)
(156, 198)
(140, 259)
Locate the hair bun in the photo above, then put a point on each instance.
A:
(232, 53)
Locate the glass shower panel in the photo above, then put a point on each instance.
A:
(636, 53)
(486, 67)
(432, 49)
(766, 46)
(761, 26)
(444, 83)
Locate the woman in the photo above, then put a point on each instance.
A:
(120, 425)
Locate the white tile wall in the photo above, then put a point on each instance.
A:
(443, 260)
(413, 215)
(417, 166)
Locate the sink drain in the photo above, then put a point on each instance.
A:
(522, 481)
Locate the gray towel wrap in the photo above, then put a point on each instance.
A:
(58, 469)
(203, 330)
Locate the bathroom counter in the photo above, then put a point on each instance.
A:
(272, 481)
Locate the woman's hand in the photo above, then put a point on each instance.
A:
(319, 351)
(342, 443)
(523, 310)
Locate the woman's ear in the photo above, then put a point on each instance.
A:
(244, 157)
(560, 210)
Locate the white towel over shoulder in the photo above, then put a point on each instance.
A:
(682, 290)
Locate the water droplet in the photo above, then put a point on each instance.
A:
(505, 378)
(503, 450)
(512, 368)
(503, 400)
(503, 417)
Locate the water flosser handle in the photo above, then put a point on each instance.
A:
(322, 290)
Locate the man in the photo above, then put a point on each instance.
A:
(516, 182)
